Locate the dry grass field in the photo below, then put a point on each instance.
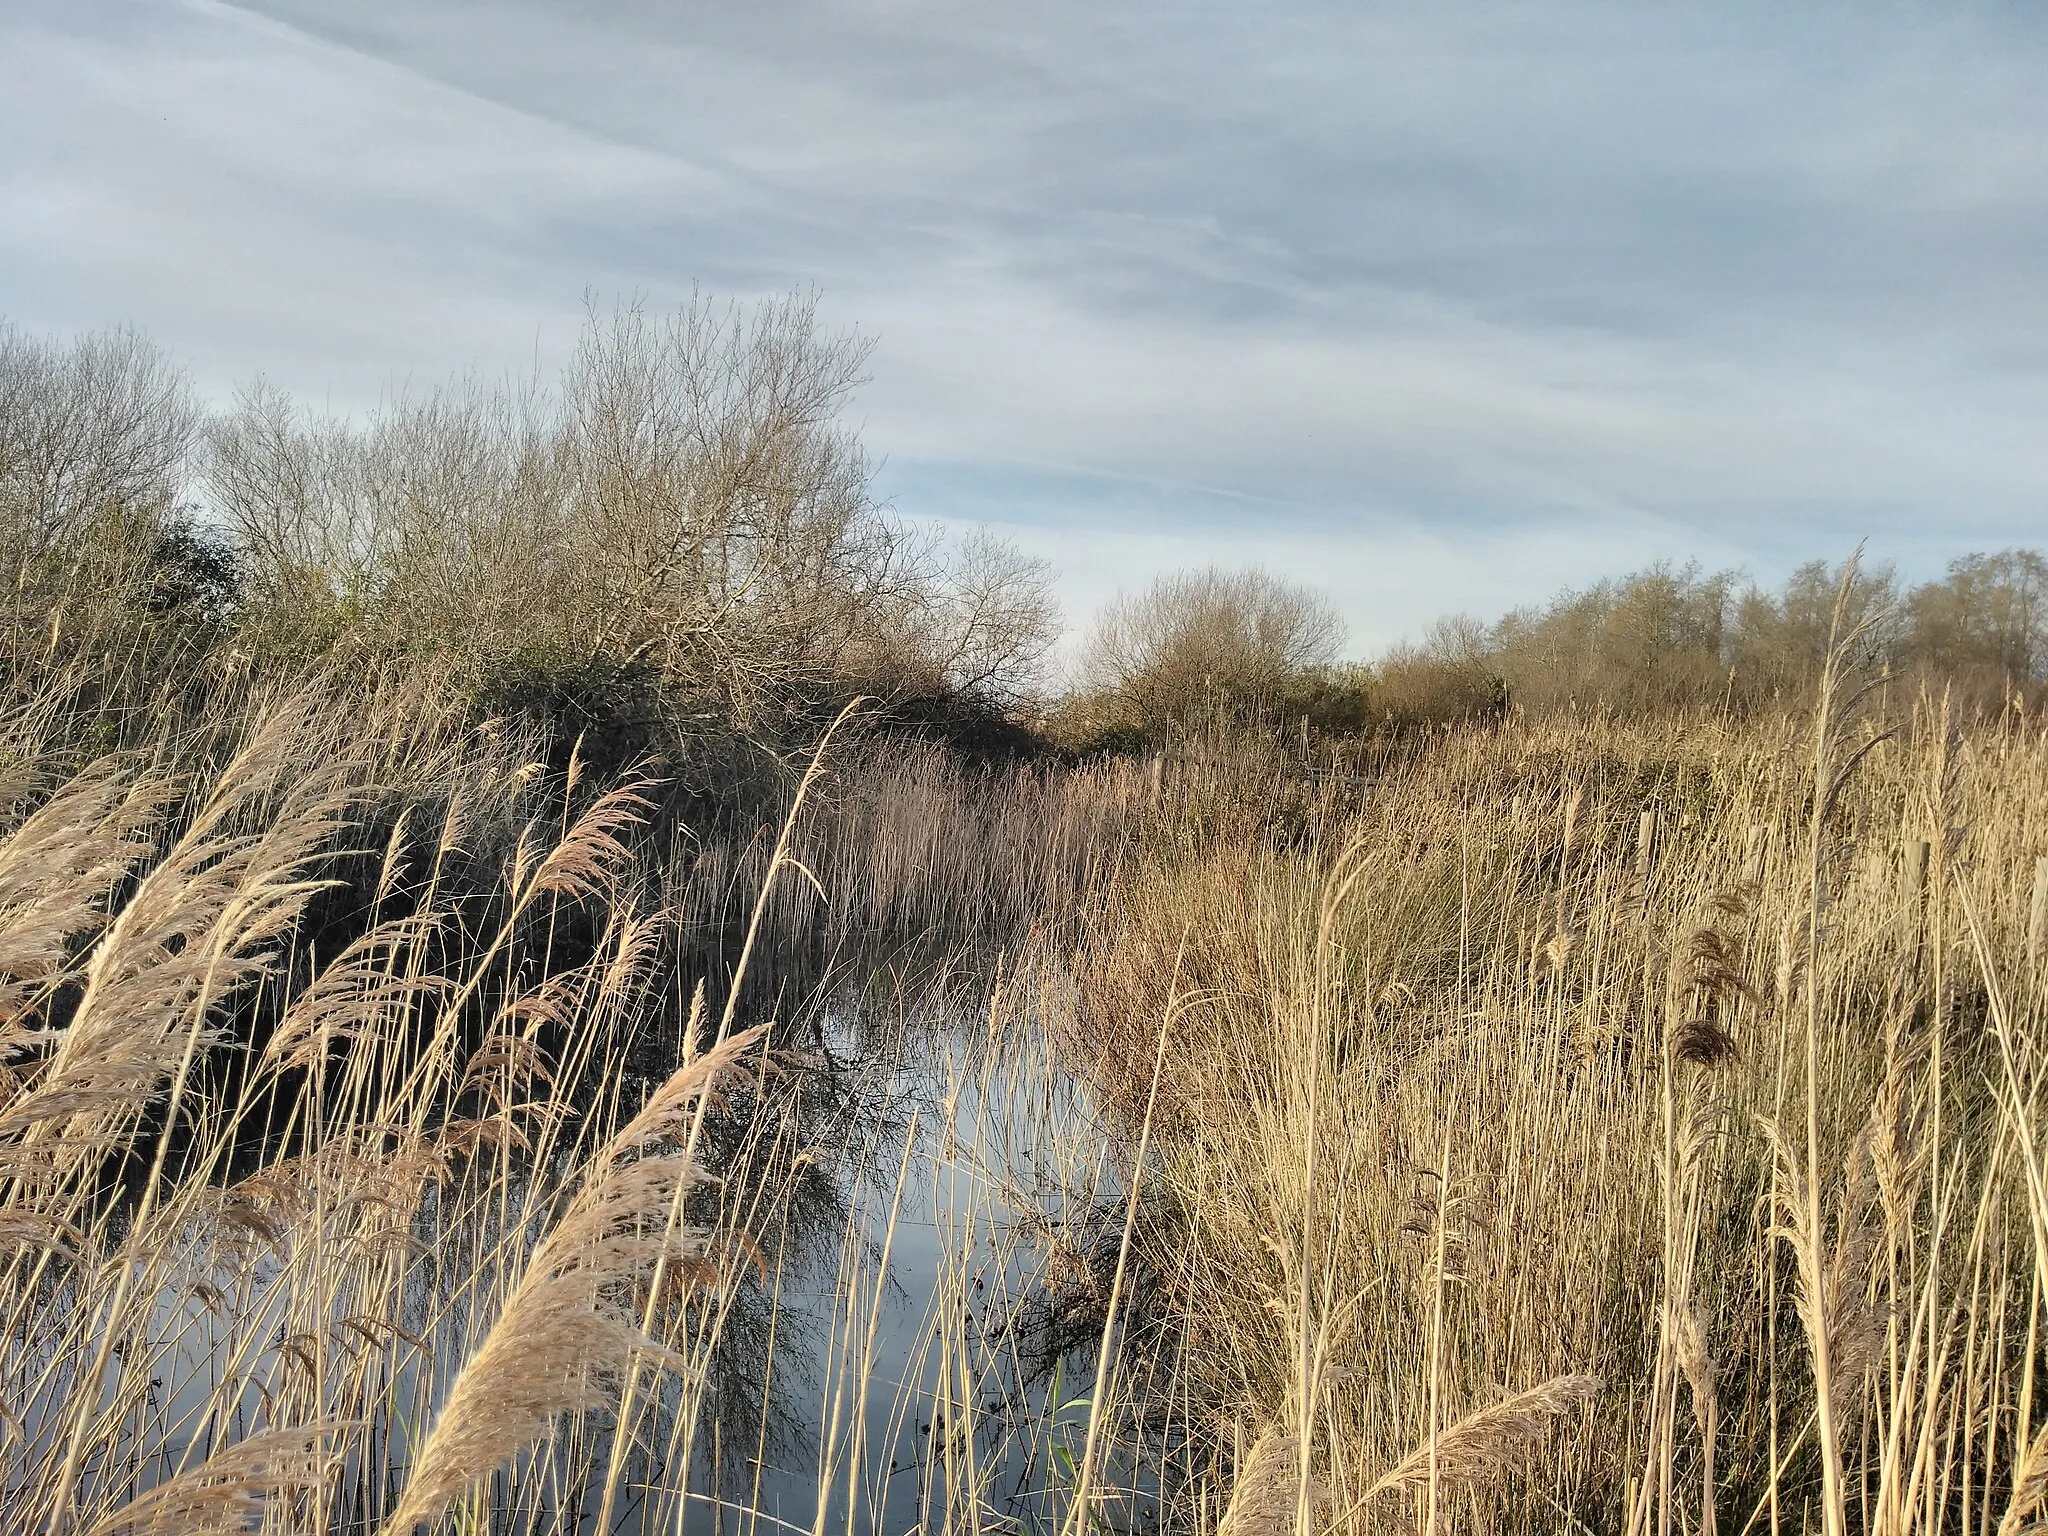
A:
(1612, 1127)
(1566, 1126)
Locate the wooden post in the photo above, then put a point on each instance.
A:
(1156, 775)
(1646, 844)
(1913, 872)
(2037, 914)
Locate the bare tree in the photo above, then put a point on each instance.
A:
(1650, 640)
(722, 510)
(1449, 675)
(92, 432)
(1211, 644)
(1780, 640)
(989, 621)
(1985, 626)
(685, 505)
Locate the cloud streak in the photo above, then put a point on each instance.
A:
(1435, 306)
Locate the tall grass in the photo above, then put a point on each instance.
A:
(1568, 1126)
(359, 1170)
(1702, 1060)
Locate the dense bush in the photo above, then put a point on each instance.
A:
(684, 508)
(1199, 651)
(674, 549)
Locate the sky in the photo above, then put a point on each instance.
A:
(1437, 307)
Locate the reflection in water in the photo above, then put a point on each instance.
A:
(900, 1363)
(921, 1216)
(329, 1204)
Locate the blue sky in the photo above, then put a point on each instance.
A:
(1436, 306)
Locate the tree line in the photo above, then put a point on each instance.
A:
(674, 547)
(1203, 650)
(1674, 637)
(675, 540)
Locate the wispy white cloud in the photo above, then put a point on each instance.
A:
(1437, 306)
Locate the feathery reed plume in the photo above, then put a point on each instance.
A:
(226, 1493)
(192, 934)
(1487, 1443)
(1832, 1268)
(1716, 983)
(570, 1327)
(591, 853)
(355, 995)
(21, 1227)
(2029, 1489)
(1689, 1348)
(1267, 1495)
(1701, 1041)
(57, 870)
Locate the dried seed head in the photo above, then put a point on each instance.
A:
(1703, 1043)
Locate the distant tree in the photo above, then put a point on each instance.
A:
(1779, 640)
(1984, 628)
(1449, 675)
(96, 531)
(988, 622)
(965, 652)
(1647, 641)
(1209, 647)
(94, 439)
(1677, 637)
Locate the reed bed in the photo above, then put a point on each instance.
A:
(1594, 1126)
(909, 842)
(1566, 1126)
(266, 1208)
(361, 1169)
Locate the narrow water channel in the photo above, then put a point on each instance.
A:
(932, 1370)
